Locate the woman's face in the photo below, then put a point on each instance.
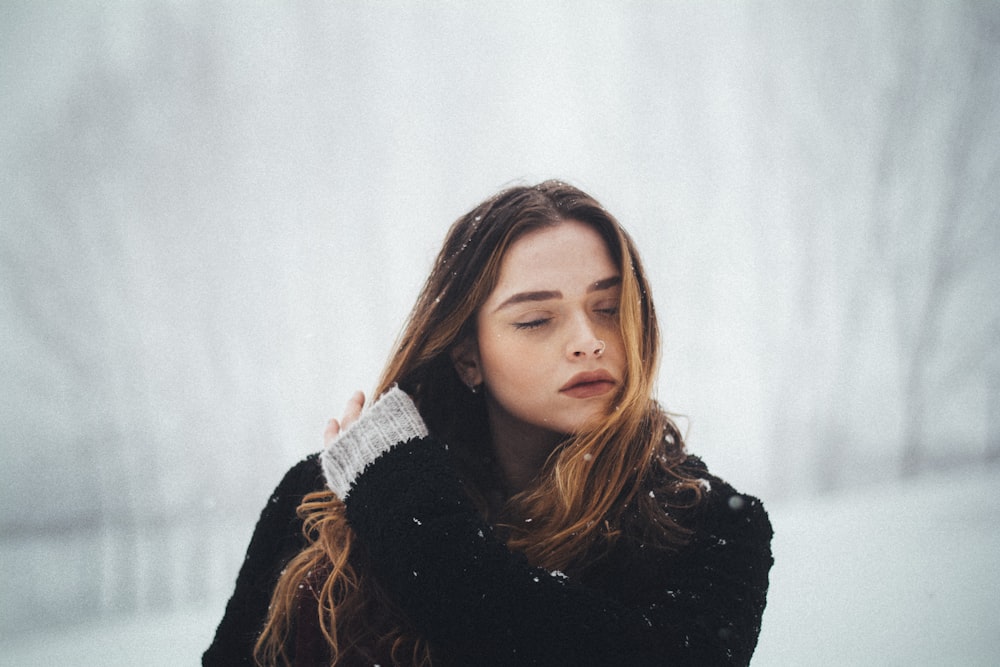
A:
(549, 349)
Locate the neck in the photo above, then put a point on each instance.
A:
(520, 449)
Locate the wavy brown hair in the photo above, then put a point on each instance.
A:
(619, 478)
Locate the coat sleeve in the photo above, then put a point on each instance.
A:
(277, 537)
(479, 602)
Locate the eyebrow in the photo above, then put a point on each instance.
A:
(545, 295)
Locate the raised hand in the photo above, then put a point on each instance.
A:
(351, 413)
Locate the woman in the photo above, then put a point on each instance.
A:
(515, 496)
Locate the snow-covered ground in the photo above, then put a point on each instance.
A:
(905, 574)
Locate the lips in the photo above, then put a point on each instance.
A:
(588, 383)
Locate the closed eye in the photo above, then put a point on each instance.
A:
(532, 324)
(610, 310)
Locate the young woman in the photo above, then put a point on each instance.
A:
(515, 496)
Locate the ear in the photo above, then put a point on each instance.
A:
(465, 358)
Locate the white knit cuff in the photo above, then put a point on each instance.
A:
(390, 420)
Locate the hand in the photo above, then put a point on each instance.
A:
(351, 413)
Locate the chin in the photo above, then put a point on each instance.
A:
(584, 422)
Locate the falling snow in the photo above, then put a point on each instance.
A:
(929, 547)
(215, 321)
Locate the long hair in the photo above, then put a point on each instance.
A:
(619, 478)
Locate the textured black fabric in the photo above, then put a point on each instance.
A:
(480, 604)
(276, 539)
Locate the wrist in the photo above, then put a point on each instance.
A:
(390, 420)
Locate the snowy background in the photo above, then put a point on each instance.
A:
(214, 217)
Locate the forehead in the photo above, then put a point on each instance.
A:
(557, 257)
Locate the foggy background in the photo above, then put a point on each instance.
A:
(215, 216)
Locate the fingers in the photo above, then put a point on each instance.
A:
(351, 413)
(353, 409)
(332, 429)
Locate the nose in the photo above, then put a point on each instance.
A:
(585, 343)
(596, 348)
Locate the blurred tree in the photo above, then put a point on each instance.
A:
(892, 206)
(935, 214)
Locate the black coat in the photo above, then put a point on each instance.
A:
(480, 604)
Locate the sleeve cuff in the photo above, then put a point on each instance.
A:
(391, 420)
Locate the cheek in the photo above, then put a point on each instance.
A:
(617, 356)
(511, 364)
(503, 360)
(619, 345)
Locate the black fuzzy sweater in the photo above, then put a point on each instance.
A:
(480, 604)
